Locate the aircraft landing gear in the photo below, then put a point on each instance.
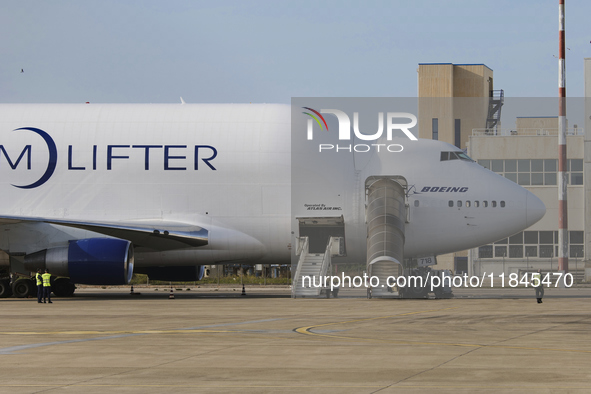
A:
(23, 288)
(62, 287)
(5, 289)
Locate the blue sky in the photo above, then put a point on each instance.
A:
(268, 51)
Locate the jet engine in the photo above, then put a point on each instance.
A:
(94, 261)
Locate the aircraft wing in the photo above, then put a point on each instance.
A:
(156, 235)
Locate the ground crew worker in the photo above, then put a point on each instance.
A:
(537, 280)
(46, 286)
(39, 279)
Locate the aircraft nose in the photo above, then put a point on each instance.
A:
(535, 209)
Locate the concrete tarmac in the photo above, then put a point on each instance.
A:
(218, 341)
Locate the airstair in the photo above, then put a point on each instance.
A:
(386, 215)
(308, 280)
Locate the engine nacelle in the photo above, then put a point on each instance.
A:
(173, 274)
(93, 261)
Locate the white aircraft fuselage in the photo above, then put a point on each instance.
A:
(197, 184)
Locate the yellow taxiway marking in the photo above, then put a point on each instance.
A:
(321, 386)
(308, 331)
(305, 330)
(113, 332)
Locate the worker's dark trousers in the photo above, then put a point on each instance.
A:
(47, 293)
(539, 293)
(39, 293)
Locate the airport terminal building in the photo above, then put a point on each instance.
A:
(527, 155)
(458, 104)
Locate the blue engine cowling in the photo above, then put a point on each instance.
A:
(93, 261)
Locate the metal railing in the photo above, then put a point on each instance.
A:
(524, 132)
(301, 250)
(327, 260)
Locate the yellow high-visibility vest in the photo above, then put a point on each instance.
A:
(536, 282)
(46, 278)
(39, 279)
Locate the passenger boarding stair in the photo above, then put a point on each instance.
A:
(385, 216)
(313, 267)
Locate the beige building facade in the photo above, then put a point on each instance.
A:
(458, 105)
(454, 99)
(528, 155)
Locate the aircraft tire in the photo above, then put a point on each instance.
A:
(23, 288)
(416, 292)
(438, 291)
(5, 289)
(63, 288)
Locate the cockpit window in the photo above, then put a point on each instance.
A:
(455, 156)
(463, 156)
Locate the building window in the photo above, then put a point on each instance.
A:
(511, 170)
(511, 176)
(524, 179)
(535, 172)
(485, 163)
(546, 237)
(435, 128)
(576, 251)
(535, 244)
(576, 240)
(546, 251)
(515, 251)
(576, 178)
(575, 237)
(485, 252)
(516, 239)
(575, 169)
(500, 251)
(496, 165)
(550, 178)
(530, 237)
(531, 251)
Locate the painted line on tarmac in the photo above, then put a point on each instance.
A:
(135, 332)
(16, 349)
(230, 324)
(308, 331)
(67, 385)
(116, 334)
(324, 386)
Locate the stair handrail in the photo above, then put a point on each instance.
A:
(327, 260)
(302, 249)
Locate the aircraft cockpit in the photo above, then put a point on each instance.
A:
(455, 156)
